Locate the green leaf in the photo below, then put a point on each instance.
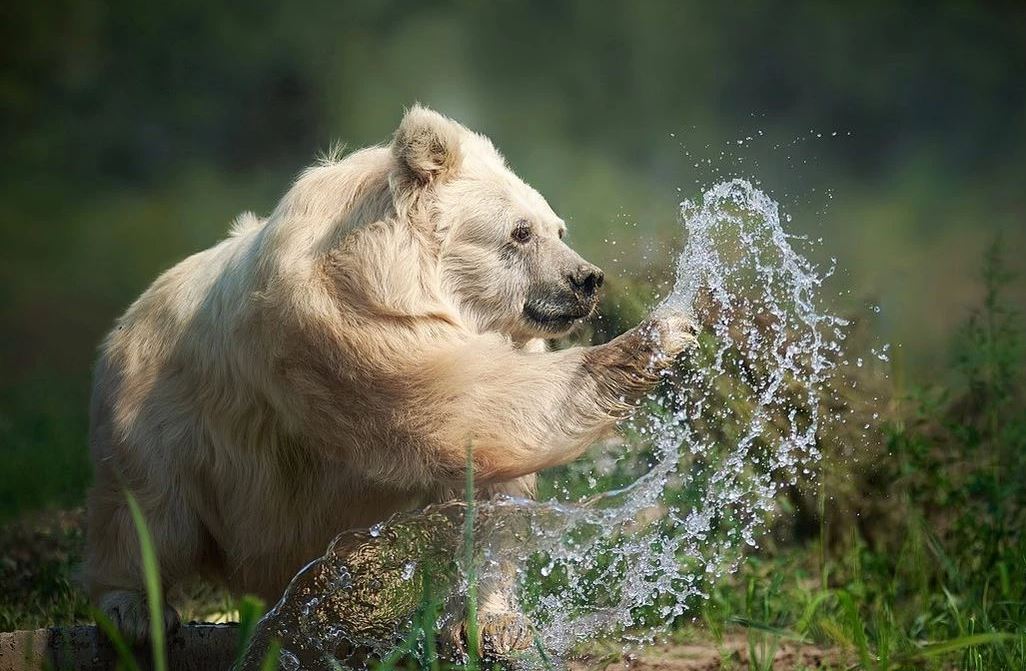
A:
(786, 634)
(955, 644)
(125, 655)
(154, 594)
(270, 661)
(251, 609)
(473, 654)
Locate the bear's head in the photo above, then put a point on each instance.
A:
(499, 244)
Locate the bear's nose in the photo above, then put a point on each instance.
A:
(586, 278)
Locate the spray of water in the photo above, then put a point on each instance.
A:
(696, 481)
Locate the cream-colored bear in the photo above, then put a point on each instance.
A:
(326, 368)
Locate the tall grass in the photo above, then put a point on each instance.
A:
(154, 591)
(473, 653)
(933, 573)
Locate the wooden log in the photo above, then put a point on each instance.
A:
(196, 647)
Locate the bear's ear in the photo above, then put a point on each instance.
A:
(427, 145)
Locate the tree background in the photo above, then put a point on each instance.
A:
(133, 133)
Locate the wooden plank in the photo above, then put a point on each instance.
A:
(196, 647)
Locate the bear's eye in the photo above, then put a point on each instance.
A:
(522, 233)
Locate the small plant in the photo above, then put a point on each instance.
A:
(473, 654)
(251, 609)
(154, 591)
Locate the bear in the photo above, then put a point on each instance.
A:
(326, 367)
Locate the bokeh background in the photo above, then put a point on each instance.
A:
(134, 132)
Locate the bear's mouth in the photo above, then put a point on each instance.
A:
(553, 317)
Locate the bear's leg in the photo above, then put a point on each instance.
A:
(502, 628)
(113, 569)
(529, 412)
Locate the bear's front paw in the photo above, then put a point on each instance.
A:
(503, 634)
(128, 612)
(499, 635)
(673, 333)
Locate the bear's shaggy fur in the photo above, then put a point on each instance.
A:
(328, 366)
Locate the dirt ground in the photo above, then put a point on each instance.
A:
(732, 653)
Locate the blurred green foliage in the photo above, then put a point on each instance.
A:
(133, 132)
(939, 581)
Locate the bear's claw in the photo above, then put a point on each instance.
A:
(500, 635)
(504, 633)
(674, 333)
(129, 613)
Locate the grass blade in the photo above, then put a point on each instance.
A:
(785, 634)
(546, 661)
(270, 661)
(251, 609)
(154, 594)
(473, 653)
(124, 652)
(956, 644)
(856, 627)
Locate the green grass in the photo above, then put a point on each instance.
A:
(939, 581)
(38, 556)
(473, 653)
(781, 599)
(154, 590)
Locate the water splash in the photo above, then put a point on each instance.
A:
(706, 460)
